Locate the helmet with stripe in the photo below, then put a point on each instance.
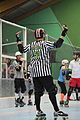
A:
(39, 33)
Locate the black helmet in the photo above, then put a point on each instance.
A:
(39, 33)
(76, 53)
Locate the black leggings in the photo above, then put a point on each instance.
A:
(42, 83)
(63, 87)
(71, 90)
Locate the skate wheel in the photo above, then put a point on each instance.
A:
(40, 118)
(65, 118)
(16, 105)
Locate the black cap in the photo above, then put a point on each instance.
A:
(76, 53)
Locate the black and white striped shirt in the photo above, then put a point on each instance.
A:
(40, 56)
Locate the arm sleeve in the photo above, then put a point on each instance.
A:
(23, 49)
(56, 44)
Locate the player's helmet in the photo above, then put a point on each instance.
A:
(64, 62)
(76, 53)
(18, 53)
(39, 33)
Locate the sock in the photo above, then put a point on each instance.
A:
(61, 97)
(68, 97)
(21, 95)
(17, 95)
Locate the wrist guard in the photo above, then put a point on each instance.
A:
(64, 32)
(18, 38)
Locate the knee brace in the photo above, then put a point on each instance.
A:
(70, 91)
(23, 90)
(64, 92)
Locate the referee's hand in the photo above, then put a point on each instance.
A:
(18, 34)
(18, 39)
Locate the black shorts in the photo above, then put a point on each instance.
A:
(42, 83)
(19, 84)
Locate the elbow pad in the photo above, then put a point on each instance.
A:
(63, 73)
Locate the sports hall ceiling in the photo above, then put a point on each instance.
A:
(15, 10)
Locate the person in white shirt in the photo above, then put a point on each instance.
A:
(75, 77)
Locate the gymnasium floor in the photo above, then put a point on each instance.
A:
(9, 112)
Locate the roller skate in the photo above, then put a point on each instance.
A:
(40, 115)
(29, 102)
(66, 104)
(21, 101)
(61, 103)
(18, 103)
(60, 114)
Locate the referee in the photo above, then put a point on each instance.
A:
(40, 65)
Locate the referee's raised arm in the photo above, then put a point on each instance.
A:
(59, 42)
(19, 44)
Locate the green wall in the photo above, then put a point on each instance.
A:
(44, 16)
(68, 12)
(8, 36)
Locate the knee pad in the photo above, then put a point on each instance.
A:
(17, 91)
(64, 92)
(23, 90)
(30, 92)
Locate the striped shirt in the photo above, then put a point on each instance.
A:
(40, 56)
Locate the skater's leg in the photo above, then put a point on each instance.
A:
(29, 97)
(52, 91)
(17, 91)
(39, 91)
(23, 89)
(69, 93)
(76, 90)
(68, 96)
(53, 100)
(37, 101)
(63, 92)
